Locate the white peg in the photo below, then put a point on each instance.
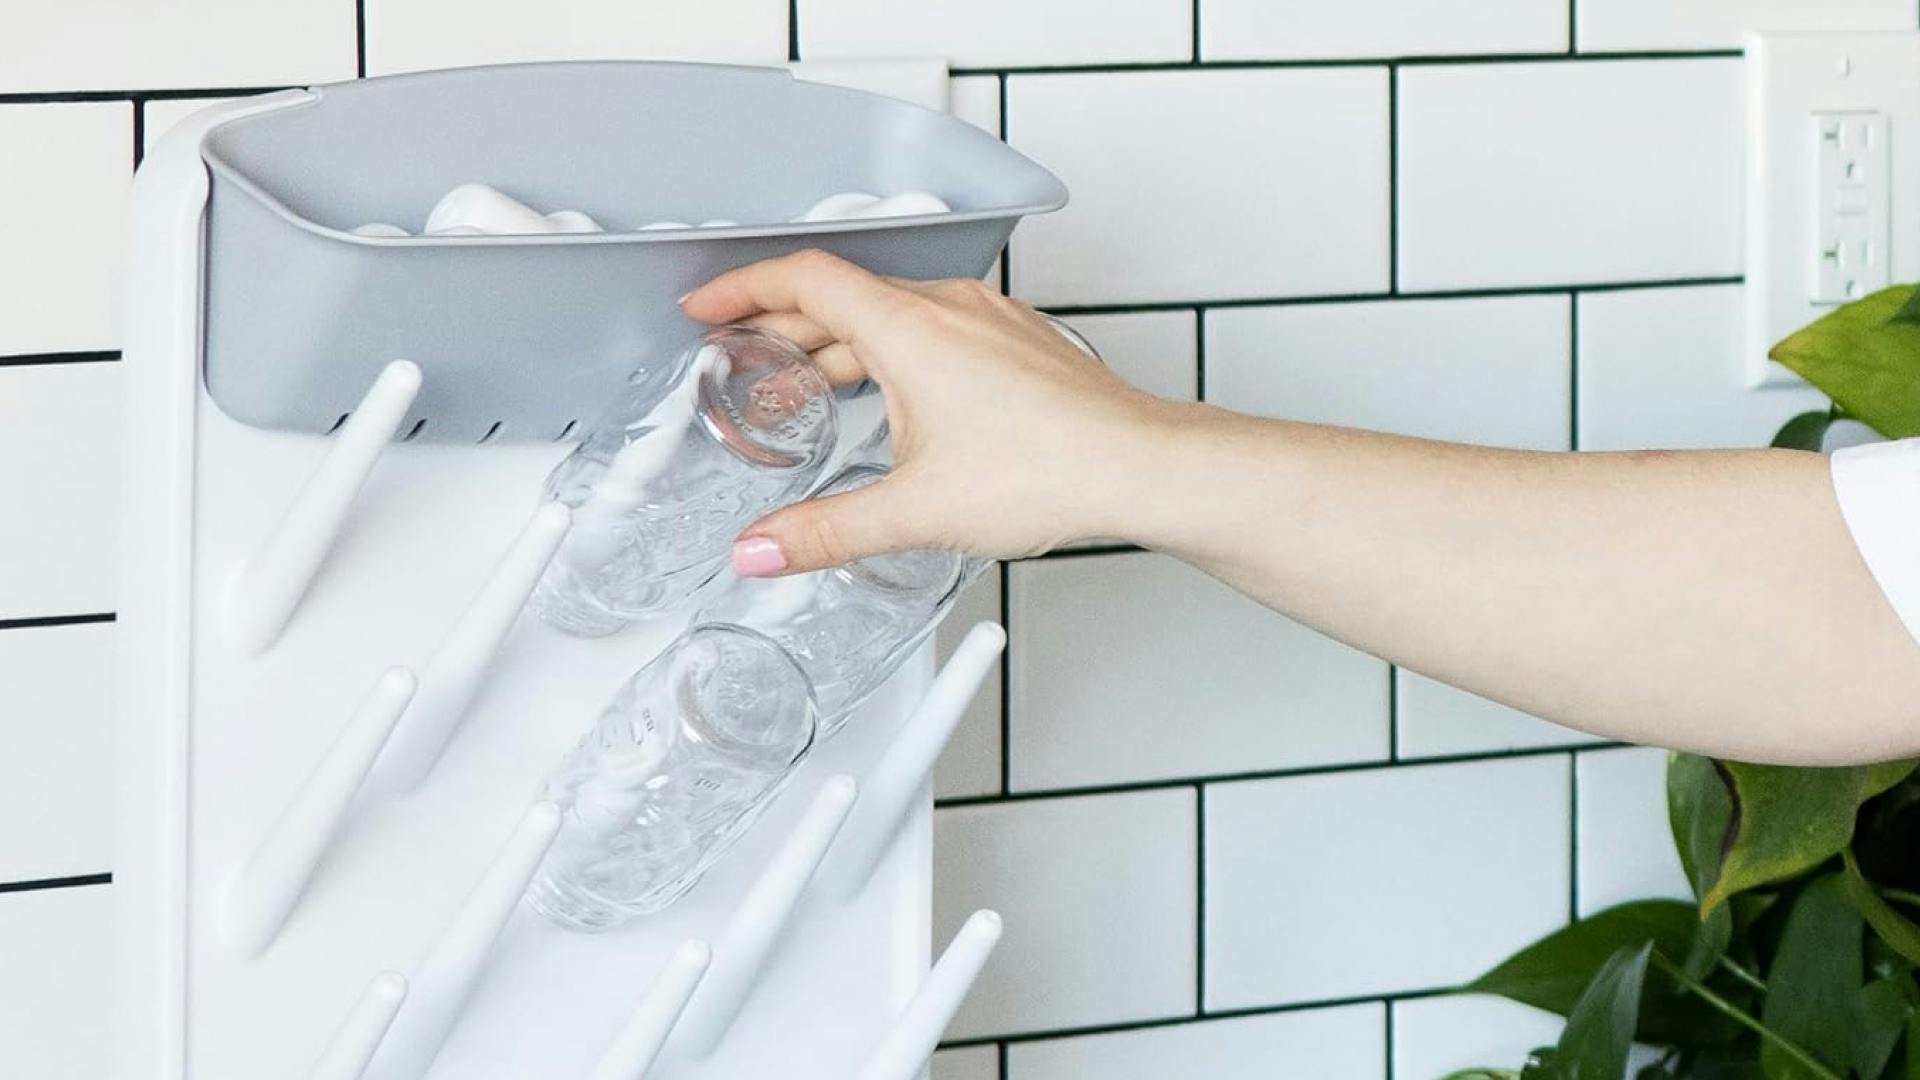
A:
(904, 1051)
(258, 899)
(454, 675)
(269, 585)
(633, 1051)
(750, 935)
(894, 786)
(446, 978)
(353, 1046)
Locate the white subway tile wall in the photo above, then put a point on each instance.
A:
(57, 705)
(1346, 1043)
(1099, 929)
(93, 45)
(967, 1063)
(54, 982)
(1448, 867)
(1569, 172)
(1659, 369)
(1626, 25)
(60, 445)
(411, 35)
(1157, 351)
(972, 764)
(1105, 689)
(1003, 33)
(1428, 368)
(1624, 848)
(1183, 188)
(65, 172)
(1439, 1036)
(1265, 30)
(1437, 720)
(1473, 225)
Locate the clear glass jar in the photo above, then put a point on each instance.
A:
(680, 762)
(662, 485)
(849, 627)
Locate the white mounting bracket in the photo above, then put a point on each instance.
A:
(1833, 179)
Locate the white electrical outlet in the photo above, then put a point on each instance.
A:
(1833, 179)
(1852, 197)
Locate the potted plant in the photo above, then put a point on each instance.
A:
(1797, 959)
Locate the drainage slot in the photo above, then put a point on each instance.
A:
(414, 431)
(491, 432)
(566, 431)
(340, 423)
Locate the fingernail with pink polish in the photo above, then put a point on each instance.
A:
(758, 557)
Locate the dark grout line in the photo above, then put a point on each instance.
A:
(46, 97)
(1002, 1047)
(360, 38)
(1411, 60)
(1199, 355)
(1086, 551)
(40, 359)
(139, 131)
(43, 884)
(1393, 713)
(1006, 683)
(1182, 1021)
(1130, 787)
(793, 29)
(1387, 1037)
(37, 621)
(1196, 31)
(1573, 837)
(1573, 24)
(1006, 253)
(1393, 178)
(1200, 900)
(1557, 289)
(1573, 372)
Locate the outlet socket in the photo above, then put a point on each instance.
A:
(1833, 179)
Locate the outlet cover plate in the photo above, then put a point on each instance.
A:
(1793, 79)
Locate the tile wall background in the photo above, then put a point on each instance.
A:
(1225, 846)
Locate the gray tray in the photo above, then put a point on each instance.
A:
(526, 337)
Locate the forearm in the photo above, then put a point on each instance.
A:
(1711, 601)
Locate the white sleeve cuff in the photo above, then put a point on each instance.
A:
(1878, 486)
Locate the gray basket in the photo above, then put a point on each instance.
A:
(523, 337)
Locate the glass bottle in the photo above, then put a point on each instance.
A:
(663, 484)
(849, 627)
(679, 764)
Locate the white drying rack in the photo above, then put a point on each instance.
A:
(296, 608)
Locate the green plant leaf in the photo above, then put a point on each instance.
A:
(1553, 972)
(1900, 934)
(1700, 813)
(1482, 1074)
(1808, 431)
(1786, 821)
(1814, 983)
(1710, 942)
(1541, 1065)
(1882, 1013)
(1913, 1047)
(1599, 1033)
(1866, 357)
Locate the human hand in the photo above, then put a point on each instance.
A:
(1008, 440)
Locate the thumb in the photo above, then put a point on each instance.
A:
(829, 531)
